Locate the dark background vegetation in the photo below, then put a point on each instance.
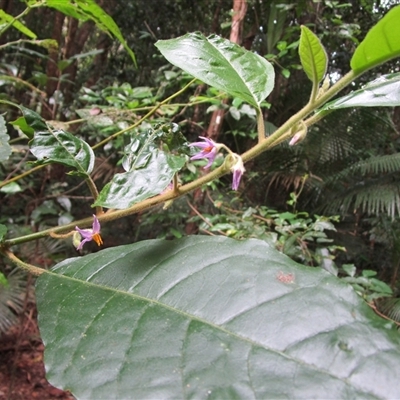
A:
(347, 166)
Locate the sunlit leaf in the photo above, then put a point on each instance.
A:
(210, 317)
(5, 148)
(381, 43)
(11, 188)
(312, 56)
(25, 128)
(222, 64)
(382, 92)
(49, 44)
(6, 19)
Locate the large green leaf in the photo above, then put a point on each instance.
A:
(222, 64)
(58, 146)
(210, 317)
(88, 10)
(382, 92)
(312, 56)
(5, 148)
(381, 43)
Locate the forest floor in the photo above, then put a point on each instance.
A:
(22, 373)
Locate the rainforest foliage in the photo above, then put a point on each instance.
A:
(207, 192)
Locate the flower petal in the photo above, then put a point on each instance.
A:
(85, 233)
(96, 225)
(237, 170)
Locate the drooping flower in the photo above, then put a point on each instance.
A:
(209, 150)
(298, 137)
(90, 234)
(237, 170)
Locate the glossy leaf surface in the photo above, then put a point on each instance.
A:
(5, 148)
(382, 92)
(380, 44)
(210, 317)
(222, 64)
(55, 145)
(64, 148)
(149, 169)
(33, 120)
(312, 56)
(129, 188)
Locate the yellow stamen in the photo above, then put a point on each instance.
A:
(97, 238)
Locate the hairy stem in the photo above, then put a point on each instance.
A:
(260, 126)
(19, 263)
(285, 129)
(16, 178)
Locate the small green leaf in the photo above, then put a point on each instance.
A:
(64, 148)
(350, 269)
(382, 92)
(368, 273)
(5, 148)
(33, 119)
(25, 128)
(210, 317)
(3, 279)
(3, 232)
(222, 64)
(9, 19)
(49, 44)
(312, 56)
(380, 45)
(380, 286)
(11, 188)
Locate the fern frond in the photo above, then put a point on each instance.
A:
(372, 197)
(371, 166)
(390, 307)
(12, 298)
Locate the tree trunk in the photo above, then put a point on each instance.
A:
(214, 128)
(239, 12)
(52, 70)
(74, 44)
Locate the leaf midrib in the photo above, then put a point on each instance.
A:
(207, 323)
(234, 69)
(81, 169)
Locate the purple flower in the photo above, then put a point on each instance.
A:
(90, 234)
(238, 170)
(210, 150)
